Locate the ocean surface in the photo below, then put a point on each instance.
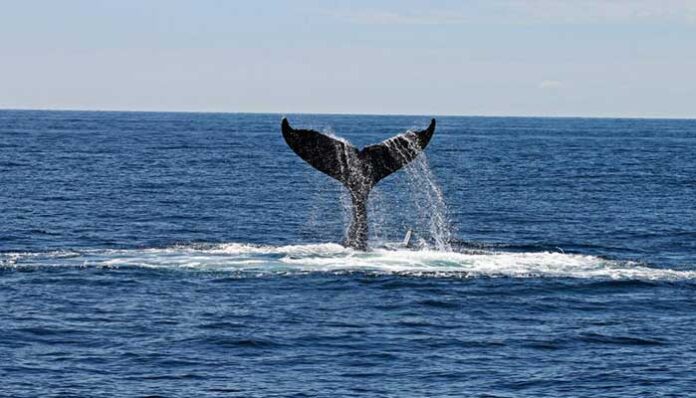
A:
(184, 254)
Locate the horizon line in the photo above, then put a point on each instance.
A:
(343, 113)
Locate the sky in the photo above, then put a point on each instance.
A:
(592, 58)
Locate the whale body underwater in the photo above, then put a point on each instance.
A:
(358, 170)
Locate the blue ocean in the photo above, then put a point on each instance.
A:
(194, 254)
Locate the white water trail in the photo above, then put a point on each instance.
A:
(329, 257)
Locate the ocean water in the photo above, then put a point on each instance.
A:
(183, 254)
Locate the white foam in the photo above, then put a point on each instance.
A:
(329, 257)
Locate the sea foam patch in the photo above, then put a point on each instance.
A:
(329, 257)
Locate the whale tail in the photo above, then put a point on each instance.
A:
(357, 170)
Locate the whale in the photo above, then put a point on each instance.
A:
(358, 170)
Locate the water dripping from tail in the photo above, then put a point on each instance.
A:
(432, 221)
(360, 170)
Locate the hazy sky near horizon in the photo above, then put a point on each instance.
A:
(614, 58)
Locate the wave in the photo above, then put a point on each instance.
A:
(329, 257)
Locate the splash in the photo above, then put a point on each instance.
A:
(432, 221)
(425, 210)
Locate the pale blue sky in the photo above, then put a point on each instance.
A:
(509, 57)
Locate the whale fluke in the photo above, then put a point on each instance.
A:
(357, 170)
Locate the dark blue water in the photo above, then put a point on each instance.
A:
(179, 254)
